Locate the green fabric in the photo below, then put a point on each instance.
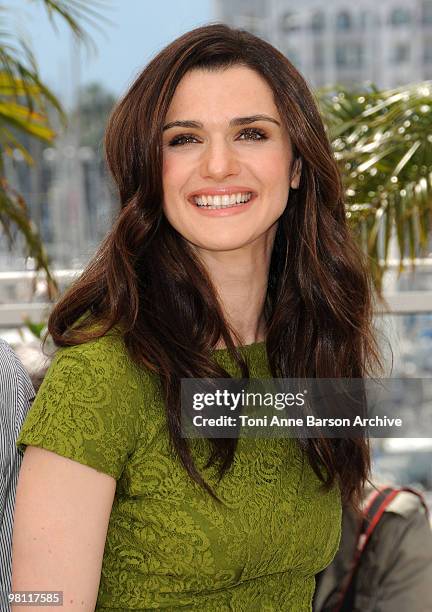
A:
(169, 545)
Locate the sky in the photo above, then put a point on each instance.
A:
(138, 29)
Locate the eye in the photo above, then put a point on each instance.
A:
(253, 134)
(182, 139)
(246, 134)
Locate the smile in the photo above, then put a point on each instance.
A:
(214, 202)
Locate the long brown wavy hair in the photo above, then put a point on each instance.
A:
(146, 279)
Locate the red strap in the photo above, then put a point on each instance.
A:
(372, 513)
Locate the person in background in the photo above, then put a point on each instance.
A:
(16, 394)
(384, 563)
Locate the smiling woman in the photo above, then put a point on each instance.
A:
(230, 257)
(235, 147)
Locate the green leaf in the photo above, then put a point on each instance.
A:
(24, 103)
(13, 213)
(35, 328)
(383, 145)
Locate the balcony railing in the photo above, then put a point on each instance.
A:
(19, 299)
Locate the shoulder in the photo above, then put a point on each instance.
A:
(7, 355)
(405, 503)
(101, 359)
(11, 368)
(98, 374)
(110, 348)
(98, 370)
(16, 389)
(91, 405)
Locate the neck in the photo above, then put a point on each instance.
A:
(240, 278)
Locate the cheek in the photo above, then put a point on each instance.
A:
(271, 168)
(175, 177)
(168, 173)
(276, 169)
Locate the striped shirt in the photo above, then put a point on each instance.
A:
(16, 394)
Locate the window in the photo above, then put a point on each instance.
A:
(427, 51)
(318, 55)
(363, 19)
(341, 55)
(343, 21)
(427, 13)
(317, 22)
(293, 56)
(290, 22)
(401, 53)
(400, 17)
(349, 56)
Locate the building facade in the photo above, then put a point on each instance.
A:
(388, 43)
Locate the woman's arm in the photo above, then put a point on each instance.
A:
(61, 520)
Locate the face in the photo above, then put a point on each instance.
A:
(227, 160)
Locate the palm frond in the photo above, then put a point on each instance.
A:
(14, 216)
(382, 142)
(79, 15)
(24, 103)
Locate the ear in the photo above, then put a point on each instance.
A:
(296, 169)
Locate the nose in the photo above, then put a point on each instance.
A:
(219, 161)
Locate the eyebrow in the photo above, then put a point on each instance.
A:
(234, 122)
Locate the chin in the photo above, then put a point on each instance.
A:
(221, 244)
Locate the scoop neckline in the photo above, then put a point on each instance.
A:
(244, 347)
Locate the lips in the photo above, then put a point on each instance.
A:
(220, 191)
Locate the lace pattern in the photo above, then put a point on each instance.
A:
(169, 544)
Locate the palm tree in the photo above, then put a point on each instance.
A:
(383, 143)
(24, 104)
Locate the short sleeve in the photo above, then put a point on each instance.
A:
(87, 408)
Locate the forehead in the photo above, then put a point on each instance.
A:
(221, 94)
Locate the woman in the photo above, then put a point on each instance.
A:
(230, 257)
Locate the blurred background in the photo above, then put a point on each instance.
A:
(64, 64)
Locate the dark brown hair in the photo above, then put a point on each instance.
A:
(146, 279)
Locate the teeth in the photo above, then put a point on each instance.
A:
(224, 201)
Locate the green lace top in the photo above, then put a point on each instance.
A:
(169, 545)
